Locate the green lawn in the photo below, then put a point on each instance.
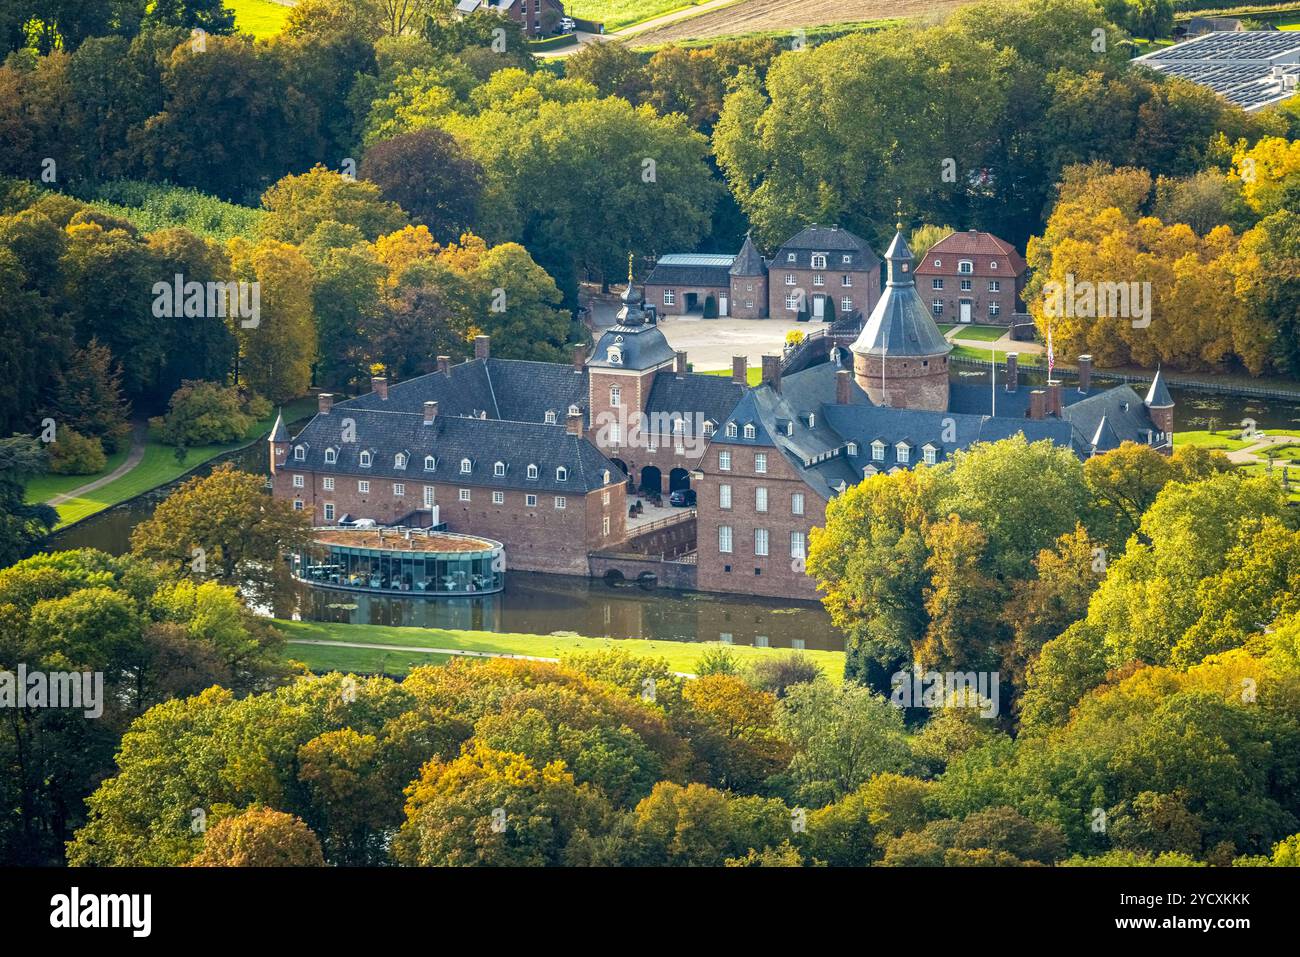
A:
(1226, 440)
(982, 333)
(259, 17)
(158, 467)
(753, 375)
(616, 14)
(976, 352)
(681, 655)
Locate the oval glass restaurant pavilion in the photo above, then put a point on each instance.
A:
(412, 560)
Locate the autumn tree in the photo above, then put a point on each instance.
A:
(259, 837)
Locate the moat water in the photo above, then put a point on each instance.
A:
(542, 604)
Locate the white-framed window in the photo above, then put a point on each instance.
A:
(365, 460)
(851, 448)
(299, 453)
(428, 496)
(708, 428)
(724, 460)
(670, 297)
(929, 454)
(819, 279)
(798, 544)
(464, 495)
(399, 489)
(995, 285)
(724, 539)
(877, 451)
(731, 430)
(966, 285)
(299, 481)
(760, 541)
(561, 474)
(532, 471)
(530, 501)
(760, 462)
(499, 468)
(790, 257)
(819, 260)
(604, 496)
(760, 499)
(846, 259)
(331, 456)
(792, 300)
(790, 279)
(965, 267)
(615, 396)
(429, 463)
(297, 505)
(904, 452)
(724, 496)
(327, 483)
(994, 308)
(616, 433)
(846, 304)
(329, 511)
(363, 487)
(846, 281)
(561, 502)
(466, 466)
(796, 503)
(604, 526)
(936, 306)
(550, 416)
(498, 498)
(399, 460)
(750, 431)
(993, 264)
(936, 284)
(938, 263)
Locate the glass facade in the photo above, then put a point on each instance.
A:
(429, 571)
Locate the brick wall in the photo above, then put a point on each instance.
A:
(749, 297)
(776, 576)
(864, 292)
(911, 383)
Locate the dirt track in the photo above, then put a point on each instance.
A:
(751, 16)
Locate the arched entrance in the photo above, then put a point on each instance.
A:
(652, 482)
(679, 479)
(621, 464)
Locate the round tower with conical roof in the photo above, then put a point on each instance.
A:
(901, 357)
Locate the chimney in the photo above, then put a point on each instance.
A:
(680, 366)
(379, 386)
(482, 347)
(573, 423)
(579, 357)
(739, 369)
(1013, 371)
(1085, 373)
(430, 412)
(1053, 397)
(842, 390)
(324, 402)
(1037, 403)
(444, 364)
(772, 372)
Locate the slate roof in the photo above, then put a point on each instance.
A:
(748, 262)
(900, 324)
(1158, 395)
(711, 396)
(450, 439)
(639, 346)
(833, 241)
(690, 274)
(279, 432)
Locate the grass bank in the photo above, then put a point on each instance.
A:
(260, 18)
(681, 656)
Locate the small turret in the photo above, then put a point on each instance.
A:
(279, 440)
(1160, 404)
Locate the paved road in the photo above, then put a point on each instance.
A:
(139, 433)
(635, 29)
(1256, 452)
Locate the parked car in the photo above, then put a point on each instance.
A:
(568, 25)
(682, 498)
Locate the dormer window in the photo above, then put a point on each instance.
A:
(532, 471)
(938, 264)
(904, 452)
(708, 428)
(574, 410)
(614, 356)
(877, 451)
(365, 460)
(993, 264)
(851, 448)
(731, 430)
(550, 416)
(399, 460)
(965, 267)
(819, 261)
(846, 260)
(331, 456)
(812, 420)
(429, 463)
(499, 469)
(466, 466)
(790, 257)
(929, 454)
(299, 453)
(561, 474)
(749, 430)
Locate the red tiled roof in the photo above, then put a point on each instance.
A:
(970, 243)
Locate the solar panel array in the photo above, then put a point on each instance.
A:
(1244, 45)
(1241, 67)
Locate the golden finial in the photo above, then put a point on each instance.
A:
(629, 268)
(898, 202)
